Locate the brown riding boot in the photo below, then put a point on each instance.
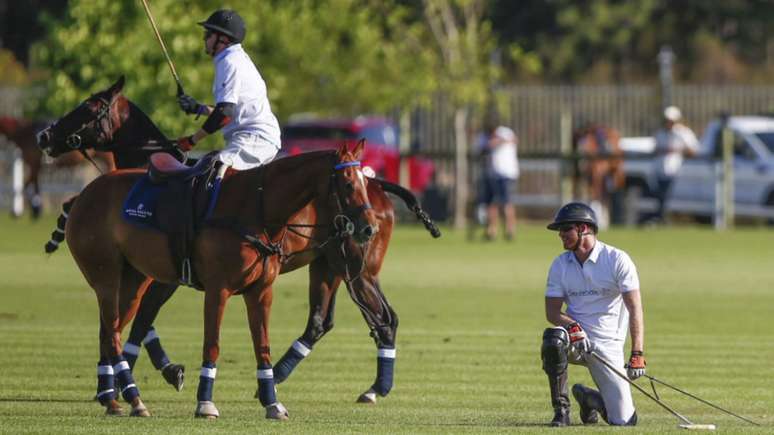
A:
(591, 404)
(560, 399)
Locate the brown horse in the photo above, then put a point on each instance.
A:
(22, 132)
(600, 162)
(131, 133)
(326, 191)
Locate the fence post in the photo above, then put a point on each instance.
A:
(728, 176)
(565, 152)
(17, 204)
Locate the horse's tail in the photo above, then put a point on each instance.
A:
(412, 204)
(58, 235)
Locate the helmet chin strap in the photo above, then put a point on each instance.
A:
(580, 238)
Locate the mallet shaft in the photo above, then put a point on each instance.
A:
(163, 48)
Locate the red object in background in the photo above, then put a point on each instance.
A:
(381, 152)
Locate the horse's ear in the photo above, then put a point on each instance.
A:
(116, 88)
(343, 149)
(358, 151)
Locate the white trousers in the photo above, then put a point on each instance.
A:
(615, 391)
(246, 150)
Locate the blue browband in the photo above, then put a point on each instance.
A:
(346, 165)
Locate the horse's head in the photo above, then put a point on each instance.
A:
(355, 215)
(90, 125)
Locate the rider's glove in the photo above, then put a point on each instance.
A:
(185, 143)
(578, 338)
(636, 366)
(190, 105)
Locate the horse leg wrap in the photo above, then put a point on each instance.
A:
(124, 379)
(156, 353)
(206, 382)
(105, 382)
(385, 366)
(266, 393)
(130, 353)
(297, 352)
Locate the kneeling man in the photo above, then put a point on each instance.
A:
(600, 286)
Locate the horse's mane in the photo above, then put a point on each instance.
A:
(137, 113)
(297, 160)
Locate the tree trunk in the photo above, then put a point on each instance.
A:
(461, 168)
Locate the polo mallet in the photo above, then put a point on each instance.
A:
(686, 424)
(653, 379)
(163, 48)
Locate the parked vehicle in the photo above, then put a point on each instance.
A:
(694, 189)
(381, 154)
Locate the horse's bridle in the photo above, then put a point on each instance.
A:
(74, 140)
(343, 225)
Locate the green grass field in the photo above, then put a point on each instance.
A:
(471, 319)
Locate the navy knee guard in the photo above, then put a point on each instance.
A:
(556, 343)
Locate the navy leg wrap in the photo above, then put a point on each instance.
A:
(155, 351)
(105, 382)
(385, 365)
(206, 382)
(266, 393)
(297, 352)
(130, 353)
(124, 378)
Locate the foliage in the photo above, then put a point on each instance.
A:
(14, 73)
(326, 56)
(613, 40)
(468, 350)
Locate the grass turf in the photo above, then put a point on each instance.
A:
(471, 318)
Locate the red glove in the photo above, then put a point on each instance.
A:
(186, 143)
(578, 338)
(636, 366)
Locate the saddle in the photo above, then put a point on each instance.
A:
(184, 203)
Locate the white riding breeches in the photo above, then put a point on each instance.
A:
(615, 391)
(246, 150)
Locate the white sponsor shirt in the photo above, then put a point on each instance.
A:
(238, 81)
(670, 146)
(505, 161)
(593, 292)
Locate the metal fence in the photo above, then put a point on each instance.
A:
(535, 112)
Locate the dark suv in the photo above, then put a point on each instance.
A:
(381, 152)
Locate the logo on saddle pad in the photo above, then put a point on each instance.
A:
(139, 212)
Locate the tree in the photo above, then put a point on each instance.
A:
(465, 41)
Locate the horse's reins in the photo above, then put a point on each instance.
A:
(342, 223)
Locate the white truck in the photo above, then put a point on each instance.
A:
(695, 190)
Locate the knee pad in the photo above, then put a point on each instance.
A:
(556, 342)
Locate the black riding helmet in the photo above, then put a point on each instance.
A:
(574, 212)
(227, 22)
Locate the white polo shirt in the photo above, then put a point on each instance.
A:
(593, 292)
(670, 146)
(238, 81)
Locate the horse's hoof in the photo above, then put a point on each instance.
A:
(277, 411)
(206, 409)
(139, 409)
(369, 397)
(174, 374)
(113, 409)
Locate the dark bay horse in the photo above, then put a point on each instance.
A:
(129, 136)
(253, 209)
(22, 133)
